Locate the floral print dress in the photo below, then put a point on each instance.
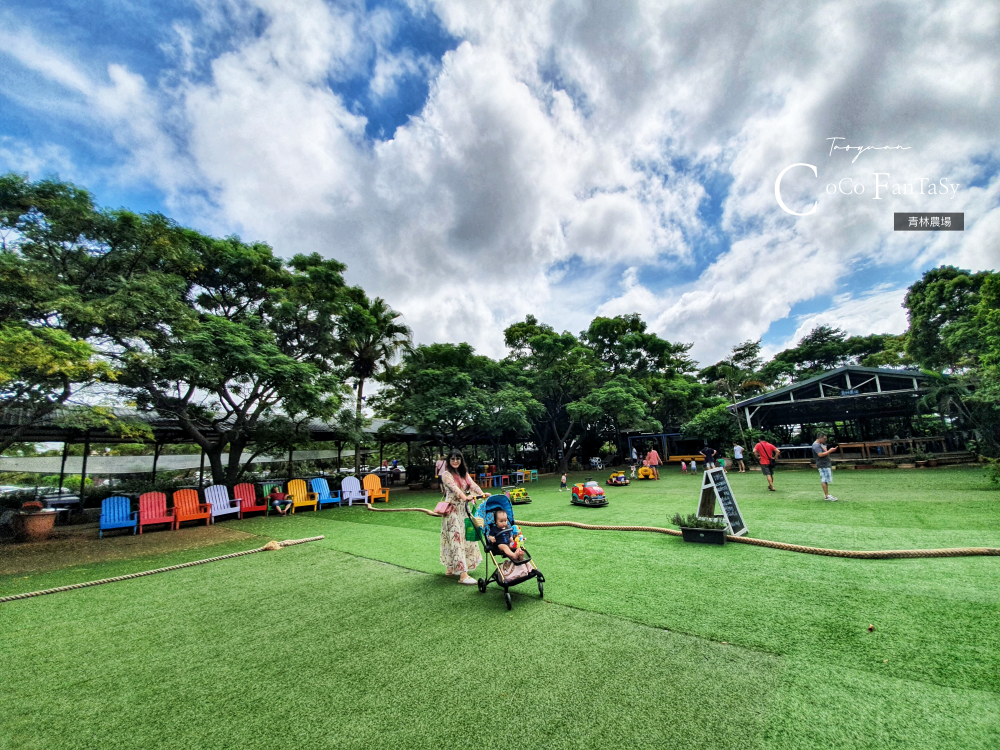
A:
(458, 555)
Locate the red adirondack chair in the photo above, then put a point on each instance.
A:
(247, 495)
(153, 510)
(188, 508)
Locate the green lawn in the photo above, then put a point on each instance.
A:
(643, 640)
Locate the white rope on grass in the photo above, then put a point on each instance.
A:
(270, 546)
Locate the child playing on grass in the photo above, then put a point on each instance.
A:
(684, 467)
(503, 537)
(694, 466)
(562, 482)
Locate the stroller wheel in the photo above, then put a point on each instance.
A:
(506, 597)
(482, 585)
(541, 588)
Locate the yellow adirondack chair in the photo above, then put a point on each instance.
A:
(373, 486)
(301, 496)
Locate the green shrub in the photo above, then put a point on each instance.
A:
(693, 521)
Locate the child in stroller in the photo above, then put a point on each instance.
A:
(498, 532)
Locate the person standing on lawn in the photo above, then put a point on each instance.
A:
(654, 462)
(457, 555)
(766, 453)
(825, 464)
(709, 454)
(738, 457)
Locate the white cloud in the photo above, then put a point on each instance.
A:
(878, 311)
(563, 142)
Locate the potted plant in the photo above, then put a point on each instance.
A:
(34, 522)
(703, 530)
(920, 458)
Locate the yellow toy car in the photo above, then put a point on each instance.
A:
(518, 496)
(618, 479)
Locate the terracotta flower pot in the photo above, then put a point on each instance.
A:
(34, 527)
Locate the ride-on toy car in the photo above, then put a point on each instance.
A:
(589, 494)
(618, 479)
(518, 496)
(646, 473)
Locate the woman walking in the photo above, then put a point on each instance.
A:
(457, 555)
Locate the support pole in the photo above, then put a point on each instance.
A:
(62, 468)
(291, 451)
(83, 469)
(201, 470)
(156, 458)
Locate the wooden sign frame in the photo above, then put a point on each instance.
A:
(714, 480)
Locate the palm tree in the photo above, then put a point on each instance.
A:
(371, 339)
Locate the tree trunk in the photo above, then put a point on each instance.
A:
(357, 446)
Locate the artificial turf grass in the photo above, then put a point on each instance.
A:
(397, 659)
(925, 678)
(20, 583)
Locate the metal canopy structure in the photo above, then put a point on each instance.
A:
(847, 394)
(57, 427)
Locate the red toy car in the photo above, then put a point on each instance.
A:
(589, 493)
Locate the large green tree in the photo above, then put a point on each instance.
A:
(372, 336)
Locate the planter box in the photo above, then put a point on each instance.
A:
(704, 536)
(34, 527)
(907, 466)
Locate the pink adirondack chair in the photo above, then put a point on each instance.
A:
(246, 493)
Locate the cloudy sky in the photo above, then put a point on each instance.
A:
(473, 161)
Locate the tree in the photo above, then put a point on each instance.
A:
(250, 359)
(371, 337)
(56, 284)
(715, 425)
(941, 307)
(826, 348)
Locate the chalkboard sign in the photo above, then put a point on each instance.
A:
(715, 486)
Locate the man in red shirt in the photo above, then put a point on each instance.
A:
(766, 453)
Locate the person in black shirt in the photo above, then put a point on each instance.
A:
(709, 454)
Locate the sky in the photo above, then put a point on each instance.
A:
(473, 162)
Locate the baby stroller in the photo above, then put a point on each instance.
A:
(517, 573)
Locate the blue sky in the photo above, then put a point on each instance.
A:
(473, 163)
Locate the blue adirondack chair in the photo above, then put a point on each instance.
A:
(116, 513)
(323, 494)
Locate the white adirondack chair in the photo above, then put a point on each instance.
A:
(350, 490)
(217, 496)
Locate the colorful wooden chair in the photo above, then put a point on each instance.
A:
(323, 494)
(153, 510)
(217, 496)
(301, 497)
(350, 490)
(374, 489)
(188, 507)
(246, 494)
(116, 513)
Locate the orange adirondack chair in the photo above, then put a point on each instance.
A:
(153, 509)
(187, 507)
(247, 495)
(301, 496)
(373, 486)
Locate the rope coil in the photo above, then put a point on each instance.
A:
(888, 554)
(266, 548)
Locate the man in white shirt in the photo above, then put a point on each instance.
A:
(738, 457)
